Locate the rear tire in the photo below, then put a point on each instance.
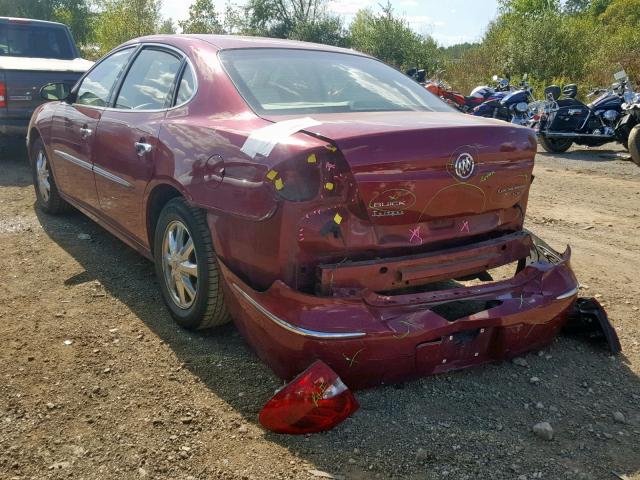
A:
(634, 144)
(187, 269)
(47, 195)
(553, 145)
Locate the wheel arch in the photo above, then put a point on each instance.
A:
(156, 197)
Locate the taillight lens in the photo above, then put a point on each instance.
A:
(321, 173)
(3, 95)
(315, 401)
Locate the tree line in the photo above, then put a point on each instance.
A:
(553, 41)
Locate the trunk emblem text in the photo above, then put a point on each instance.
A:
(395, 200)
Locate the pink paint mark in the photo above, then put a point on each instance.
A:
(330, 166)
(465, 226)
(415, 233)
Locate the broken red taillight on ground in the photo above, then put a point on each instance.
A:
(314, 401)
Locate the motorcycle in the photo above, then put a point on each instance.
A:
(561, 120)
(419, 75)
(478, 95)
(629, 126)
(455, 99)
(512, 107)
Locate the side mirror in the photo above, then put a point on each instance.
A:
(494, 78)
(55, 91)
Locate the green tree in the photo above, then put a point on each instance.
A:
(598, 6)
(203, 18)
(122, 20)
(528, 7)
(577, 6)
(389, 38)
(76, 14)
(167, 26)
(235, 21)
(307, 20)
(622, 12)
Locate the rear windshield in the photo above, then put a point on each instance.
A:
(287, 81)
(37, 41)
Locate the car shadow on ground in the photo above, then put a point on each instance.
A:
(415, 430)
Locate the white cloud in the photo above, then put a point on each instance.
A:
(349, 7)
(446, 40)
(422, 21)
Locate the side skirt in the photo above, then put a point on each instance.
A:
(110, 227)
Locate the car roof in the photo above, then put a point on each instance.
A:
(26, 21)
(227, 42)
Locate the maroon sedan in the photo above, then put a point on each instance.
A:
(332, 206)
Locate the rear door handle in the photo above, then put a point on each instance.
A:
(85, 132)
(142, 148)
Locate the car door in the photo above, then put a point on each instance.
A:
(74, 128)
(127, 136)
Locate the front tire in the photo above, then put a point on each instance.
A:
(555, 145)
(47, 195)
(634, 144)
(187, 269)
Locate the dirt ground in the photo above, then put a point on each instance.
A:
(98, 383)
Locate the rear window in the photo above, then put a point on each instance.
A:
(289, 82)
(35, 41)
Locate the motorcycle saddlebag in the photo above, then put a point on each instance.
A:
(569, 118)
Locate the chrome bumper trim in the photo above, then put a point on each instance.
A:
(292, 328)
(569, 293)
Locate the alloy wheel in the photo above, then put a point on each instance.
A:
(42, 170)
(180, 264)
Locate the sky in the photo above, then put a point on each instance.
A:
(448, 21)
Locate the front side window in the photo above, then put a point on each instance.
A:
(36, 41)
(148, 83)
(287, 81)
(97, 85)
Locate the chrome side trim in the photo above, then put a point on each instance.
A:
(568, 294)
(111, 176)
(297, 330)
(90, 167)
(72, 159)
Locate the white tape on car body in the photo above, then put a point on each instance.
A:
(263, 140)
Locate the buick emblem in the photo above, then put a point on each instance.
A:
(464, 166)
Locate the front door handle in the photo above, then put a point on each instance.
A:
(142, 148)
(85, 132)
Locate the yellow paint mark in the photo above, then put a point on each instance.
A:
(331, 148)
(312, 158)
(338, 218)
(272, 174)
(279, 184)
(328, 186)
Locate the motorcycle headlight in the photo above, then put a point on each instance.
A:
(522, 107)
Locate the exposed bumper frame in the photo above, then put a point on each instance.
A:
(369, 339)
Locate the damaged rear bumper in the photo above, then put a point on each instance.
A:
(370, 338)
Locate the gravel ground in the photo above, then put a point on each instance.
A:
(98, 383)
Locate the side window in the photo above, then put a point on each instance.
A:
(149, 81)
(187, 86)
(96, 86)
